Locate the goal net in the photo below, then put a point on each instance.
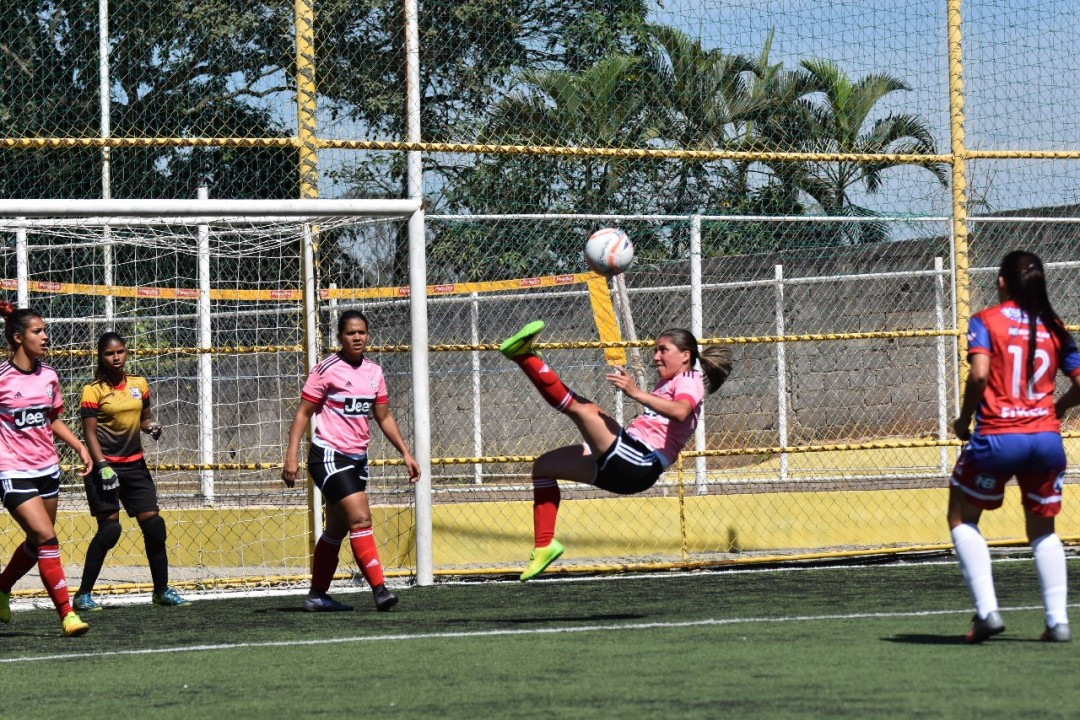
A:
(210, 297)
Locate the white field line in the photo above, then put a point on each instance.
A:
(707, 622)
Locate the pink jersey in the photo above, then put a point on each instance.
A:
(29, 402)
(346, 395)
(1010, 404)
(665, 436)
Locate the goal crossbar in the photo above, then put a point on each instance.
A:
(294, 209)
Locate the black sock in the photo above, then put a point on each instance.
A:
(153, 530)
(104, 540)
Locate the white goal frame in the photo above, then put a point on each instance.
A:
(20, 215)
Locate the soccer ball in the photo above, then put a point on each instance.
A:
(609, 251)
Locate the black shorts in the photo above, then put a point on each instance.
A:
(629, 466)
(15, 491)
(137, 491)
(337, 476)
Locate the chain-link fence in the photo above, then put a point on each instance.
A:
(826, 187)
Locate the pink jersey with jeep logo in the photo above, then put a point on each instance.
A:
(346, 395)
(667, 437)
(29, 402)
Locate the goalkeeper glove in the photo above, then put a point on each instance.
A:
(108, 476)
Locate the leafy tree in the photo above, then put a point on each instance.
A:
(177, 68)
(839, 123)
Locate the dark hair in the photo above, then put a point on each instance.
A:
(16, 320)
(715, 360)
(103, 342)
(1025, 282)
(350, 315)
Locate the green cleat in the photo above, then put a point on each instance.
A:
(5, 607)
(520, 343)
(73, 626)
(540, 558)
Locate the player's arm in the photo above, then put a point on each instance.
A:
(1070, 399)
(678, 409)
(1070, 365)
(389, 427)
(63, 433)
(146, 420)
(978, 376)
(90, 433)
(291, 466)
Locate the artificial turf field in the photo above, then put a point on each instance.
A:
(869, 641)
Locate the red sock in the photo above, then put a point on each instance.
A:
(546, 381)
(367, 555)
(52, 577)
(546, 498)
(21, 562)
(324, 563)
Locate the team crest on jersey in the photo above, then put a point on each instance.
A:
(1015, 314)
(135, 393)
(985, 482)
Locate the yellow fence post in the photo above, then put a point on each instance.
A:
(682, 508)
(959, 184)
(309, 188)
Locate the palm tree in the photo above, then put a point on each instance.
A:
(838, 122)
(703, 97)
(601, 106)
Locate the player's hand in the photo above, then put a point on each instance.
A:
(154, 430)
(622, 380)
(87, 461)
(108, 477)
(289, 471)
(962, 428)
(411, 466)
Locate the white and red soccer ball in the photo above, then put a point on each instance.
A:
(609, 251)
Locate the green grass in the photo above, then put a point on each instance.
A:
(807, 643)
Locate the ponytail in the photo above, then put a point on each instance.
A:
(1025, 283)
(714, 360)
(15, 321)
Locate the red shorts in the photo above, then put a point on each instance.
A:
(989, 461)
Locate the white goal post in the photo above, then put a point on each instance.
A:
(150, 269)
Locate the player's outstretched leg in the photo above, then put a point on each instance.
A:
(518, 347)
(520, 343)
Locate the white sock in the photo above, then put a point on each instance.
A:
(974, 556)
(1050, 563)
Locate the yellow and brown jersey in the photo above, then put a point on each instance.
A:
(118, 410)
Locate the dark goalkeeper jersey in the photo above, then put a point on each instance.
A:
(119, 416)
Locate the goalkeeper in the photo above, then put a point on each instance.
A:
(115, 409)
